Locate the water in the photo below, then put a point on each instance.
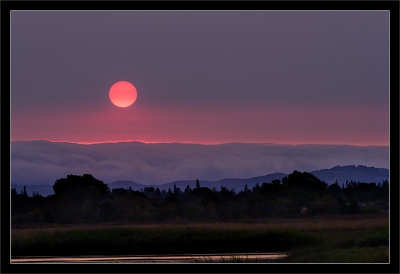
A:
(185, 258)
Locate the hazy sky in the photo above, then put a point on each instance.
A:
(202, 76)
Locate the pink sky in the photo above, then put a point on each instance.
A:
(293, 77)
(313, 125)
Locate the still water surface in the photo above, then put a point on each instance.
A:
(193, 258)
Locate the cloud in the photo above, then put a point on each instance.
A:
(42, 162)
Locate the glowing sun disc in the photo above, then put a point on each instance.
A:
(122, 94)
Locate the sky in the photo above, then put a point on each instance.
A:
(208, 77)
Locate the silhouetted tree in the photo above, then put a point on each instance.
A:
(276, 182)
(256, 187)
(304, 181)
(77, 197)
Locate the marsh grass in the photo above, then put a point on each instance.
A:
(122, 241)
(345, 246)
(309, 224)
(358, 238)
(379, 254)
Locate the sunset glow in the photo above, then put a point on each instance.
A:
(237, 91)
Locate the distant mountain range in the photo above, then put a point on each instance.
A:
(341, 174)
(231, 183)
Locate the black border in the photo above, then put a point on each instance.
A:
(393, 6)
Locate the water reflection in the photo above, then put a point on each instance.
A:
(194, 258)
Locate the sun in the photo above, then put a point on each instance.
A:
(123, 94)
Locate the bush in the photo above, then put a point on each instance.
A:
(372, 209)
(374, 240)
(34, 216)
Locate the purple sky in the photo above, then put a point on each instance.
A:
(202, 76)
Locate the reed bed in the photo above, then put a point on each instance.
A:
(308, 239)
(336, 222)
(123, 240)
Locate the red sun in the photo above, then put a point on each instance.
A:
(123, 94)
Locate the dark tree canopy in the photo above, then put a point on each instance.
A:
(77, 198)
(304, 180)
(85, 199)
(76, 186)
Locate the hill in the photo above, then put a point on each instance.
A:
(358, 173)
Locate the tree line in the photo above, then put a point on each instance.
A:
(85, 199)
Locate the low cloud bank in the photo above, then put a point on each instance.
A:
(42, 162)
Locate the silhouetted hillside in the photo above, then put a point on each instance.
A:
(126, 184)
(352, 173)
